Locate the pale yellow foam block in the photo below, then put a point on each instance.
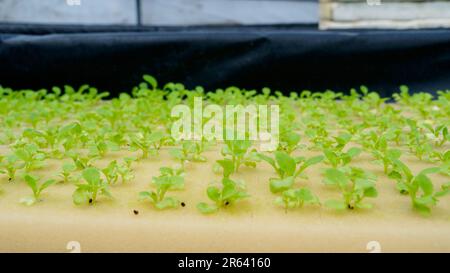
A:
(254, 225)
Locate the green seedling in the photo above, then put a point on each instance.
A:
(438, 134)
(297, 198)
(149, 145)
(287, 169)
(31, 156)
(419, 187)
(289, 142)
(417, 143)
(339, 158)
(230, 193)
(355, 185)
(124, 170)
(9, 165)
(32, 182)
(67, 170)
(189, 151)
(88, 192)
(238, 151)
(111, 172)
(170, 179)
(443, 157)
(387, 158)
(80, 161)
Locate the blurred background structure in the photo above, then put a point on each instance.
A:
(252, 44)
(160, 12)
(330, 13)
(396, 14)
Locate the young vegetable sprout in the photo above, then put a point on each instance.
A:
(289, 142)
(169, 179)
(31, 156)
(339, 158)
(287, 169)
(67, 170)
(355, 185)
(9, 165)
(32, 182)
(149, 145)
(111, 172)
(189, 151)
(80, 161)
(297, 198)
(88, 192)
(438, 134)
(230, 193)
(238, 151)
(420, 188)
(124, 170)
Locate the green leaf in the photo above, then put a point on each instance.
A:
(336, 177)
(287, 164)
(168, 202)
(147, 196)
(354, 151)
(47, 184)
(280, 185)
(32, 182)
(424, 183)
(227, 166)
(207, 209)
(364, 205)
(336, 204)
(91, 175)
(213, 193)
(313, 161)
(80, 196)
(151, 80)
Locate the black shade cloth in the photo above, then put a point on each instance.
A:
(284, 58)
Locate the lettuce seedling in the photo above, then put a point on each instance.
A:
(443, 157)
(419, 187)
(148, 145)
(289, 142)
(230, 193)
(417, 143)
(31, 156)
(339, 158)
(32, 182)
(10, 164)
(170, 179)
(80, 161)
(297, 198)
(355, 185)
(111, 172)
(87, 193)
(189, 151)
(67, 170)
(439, 133)
(287, 168)
(387, 157)
(124, 170)
(239, 152)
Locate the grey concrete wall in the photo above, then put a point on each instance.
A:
(58, 11)
(195, 12)
(160, 12)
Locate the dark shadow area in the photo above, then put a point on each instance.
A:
(287, 58)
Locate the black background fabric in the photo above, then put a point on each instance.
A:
(287, 58)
